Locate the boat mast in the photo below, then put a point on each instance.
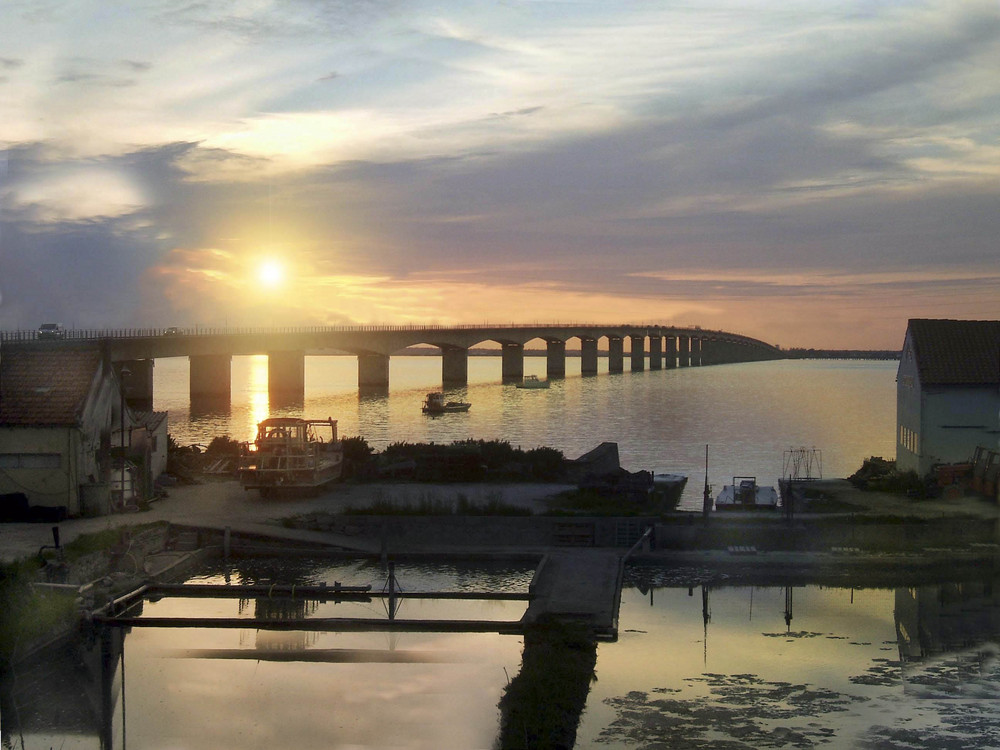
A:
(706, 503)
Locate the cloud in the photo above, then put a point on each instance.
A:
(540, 157)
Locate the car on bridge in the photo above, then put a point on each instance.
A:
(51, 331)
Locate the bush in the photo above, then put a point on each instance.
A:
(880, 475)
(475, 460)
(356, 450)
(223, 446)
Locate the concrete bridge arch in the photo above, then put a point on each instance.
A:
(210, 350)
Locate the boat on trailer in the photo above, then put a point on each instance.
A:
(745, 494)
(435, 404)
(291, 455)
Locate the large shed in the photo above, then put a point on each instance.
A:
(947, 392)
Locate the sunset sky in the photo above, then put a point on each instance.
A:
(809, 173)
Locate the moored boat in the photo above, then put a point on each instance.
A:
(745, 494)
(533, 381)
(435, 404)
(291, 454)
(668, 488)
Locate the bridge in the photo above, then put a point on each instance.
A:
(210, 351)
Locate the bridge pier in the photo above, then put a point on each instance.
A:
(286, 375)
(588, 356)
(138, 383)
(373, 371)
(616, 354)
(555, 359)
(708, 352)
(454, 365)
(671, 352)
(638, 353)
(696, 352)
(655, 358)
(511, 361)
(211, 376)
(683, 351)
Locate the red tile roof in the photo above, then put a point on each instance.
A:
(40, 388)
(956, 352)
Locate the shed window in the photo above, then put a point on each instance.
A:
(30, 460)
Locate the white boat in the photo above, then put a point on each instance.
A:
(435, 404)
(745, 494)
(532, 381)
(291, 454)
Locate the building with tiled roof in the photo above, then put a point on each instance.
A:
(60, 426)
(947, 392)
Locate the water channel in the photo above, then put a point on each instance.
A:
(701, 661)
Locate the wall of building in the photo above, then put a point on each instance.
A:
(50, 465)
(955, 421)
(41, 463)
(908, 410)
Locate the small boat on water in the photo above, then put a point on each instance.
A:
(435, 404)
(745, 494)
(291, 454)
(533, 381)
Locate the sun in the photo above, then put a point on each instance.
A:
(271, 273)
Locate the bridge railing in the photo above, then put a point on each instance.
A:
(97, 334)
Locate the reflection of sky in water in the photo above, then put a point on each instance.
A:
(209, 703)
(414, 690)
(832, 678)
(749, 414)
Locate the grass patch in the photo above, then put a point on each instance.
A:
(98, 541)
(27, 613)
(30, 613)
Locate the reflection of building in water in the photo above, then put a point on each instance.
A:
(947, 635)
(946, 617)
(278, 609)
(73, 691)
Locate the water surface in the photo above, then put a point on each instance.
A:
(749, 414)
(699, 662)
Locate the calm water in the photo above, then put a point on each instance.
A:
(696, 663)
(749, 414)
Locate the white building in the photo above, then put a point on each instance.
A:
(947, 392)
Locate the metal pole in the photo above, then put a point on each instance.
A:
(706, 502)
(124, 373)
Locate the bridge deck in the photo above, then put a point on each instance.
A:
(583, 585)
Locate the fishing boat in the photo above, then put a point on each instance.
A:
(533, 381)
(668, 488)
(745, 494)
(291, 455)
(435, 404)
